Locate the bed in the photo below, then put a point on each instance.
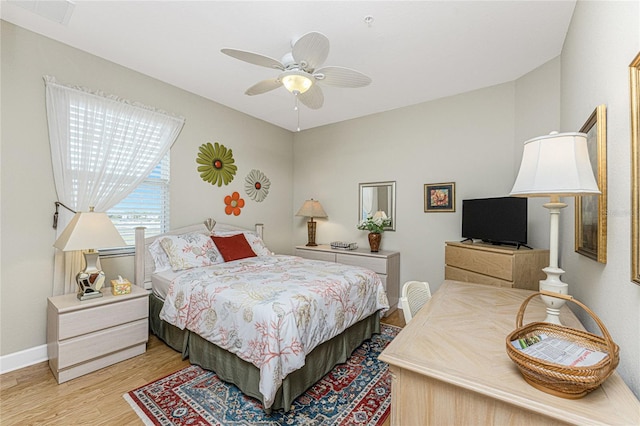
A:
(273, 325)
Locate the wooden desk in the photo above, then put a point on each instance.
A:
(449, 366)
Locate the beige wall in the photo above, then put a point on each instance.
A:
(603, 39)
(27, 187)
(467, 139)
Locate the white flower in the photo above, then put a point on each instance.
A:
(256, 185)
(375, 224)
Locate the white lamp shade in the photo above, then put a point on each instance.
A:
(556, 164)
(311, 208)
(88, 231)
(380, 215)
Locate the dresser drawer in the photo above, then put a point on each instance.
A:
(456, 274)
(83, 321)
(316, 255)
(89, 346)
(376, 264)
(482, 262)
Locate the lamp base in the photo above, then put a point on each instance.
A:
(90, 280)
(311, 233)
(555, 285)
(89, 294)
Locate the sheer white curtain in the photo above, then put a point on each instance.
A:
(102, 147)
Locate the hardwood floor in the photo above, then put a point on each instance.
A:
(31, 396)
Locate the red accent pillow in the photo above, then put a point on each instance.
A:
(234, 247)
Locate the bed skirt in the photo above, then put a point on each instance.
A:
(245, 375)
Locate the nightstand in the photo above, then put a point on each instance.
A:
(85, 336)
(385, 263)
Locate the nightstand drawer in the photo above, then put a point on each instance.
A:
(84, 348)
(83, 321)
(376, 264)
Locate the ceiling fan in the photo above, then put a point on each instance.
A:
(299, 70)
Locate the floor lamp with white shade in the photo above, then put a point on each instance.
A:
(556, 165)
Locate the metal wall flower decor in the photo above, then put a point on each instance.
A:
(256, 185)
(216, 164)
(233, 204)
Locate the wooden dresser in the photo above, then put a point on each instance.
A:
(501, 266)
(385, 263)
(449, 366)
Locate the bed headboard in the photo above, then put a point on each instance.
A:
(143, 262)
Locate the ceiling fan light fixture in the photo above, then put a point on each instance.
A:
(296, 81)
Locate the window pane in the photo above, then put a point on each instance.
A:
(147, 205)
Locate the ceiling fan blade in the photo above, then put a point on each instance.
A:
(263, 87)
(341, 77)
(254, 58)
(312, 48)
(312, 98)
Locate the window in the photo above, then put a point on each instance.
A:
(147, 205)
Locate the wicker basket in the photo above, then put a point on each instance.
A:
(561, 380)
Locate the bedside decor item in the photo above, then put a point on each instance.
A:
(634, 83)
(439, 197)
(311, 208)
(375, 225)
(234, 204)
(568, 378)
(591, 210)
(256, 185)
(216, 164)
(343, 246)
(86, 230)
(556, 165)
(120, 286)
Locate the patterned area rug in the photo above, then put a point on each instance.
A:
(357, 392)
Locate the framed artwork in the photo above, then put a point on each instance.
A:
(440, 197)
(591, 210)
(634, 80)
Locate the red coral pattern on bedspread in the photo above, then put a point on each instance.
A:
(272, 310)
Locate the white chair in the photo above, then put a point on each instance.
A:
(414, 295)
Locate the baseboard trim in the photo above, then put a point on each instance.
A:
(21, 359)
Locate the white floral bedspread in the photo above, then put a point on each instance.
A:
(272, 311)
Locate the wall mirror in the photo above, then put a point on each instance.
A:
(378, 196)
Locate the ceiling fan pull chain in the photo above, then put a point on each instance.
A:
(297, 110)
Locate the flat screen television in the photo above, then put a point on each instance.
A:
(501, 220)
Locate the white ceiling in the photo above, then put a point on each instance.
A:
(414, 51)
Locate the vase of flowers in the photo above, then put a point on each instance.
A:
(375, 225)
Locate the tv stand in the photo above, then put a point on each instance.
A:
(501, 266)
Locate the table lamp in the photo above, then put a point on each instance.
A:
(311, 208)
(86, 230)
(556, 165)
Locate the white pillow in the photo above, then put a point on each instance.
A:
(256, 243)
(188, 251)
(159, 257)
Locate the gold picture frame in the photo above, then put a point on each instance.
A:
(440, 197)
(591, 210)
(634, 85)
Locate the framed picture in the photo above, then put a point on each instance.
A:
(634, 80)
(591, 210)
(439, 197)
